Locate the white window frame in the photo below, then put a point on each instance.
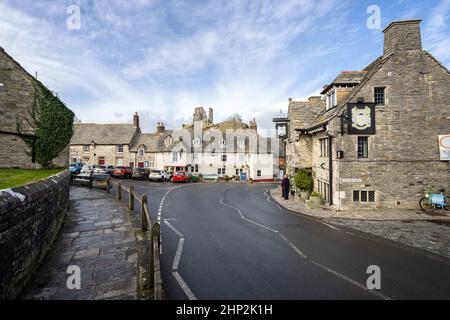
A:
(141, 152)
(120, 147)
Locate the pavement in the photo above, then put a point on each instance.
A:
(233, 241)
(298, 205)
(97, 237)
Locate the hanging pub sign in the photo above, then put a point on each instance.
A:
(282, 130)
(361, 118)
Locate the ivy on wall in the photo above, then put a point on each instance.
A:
(52, 123)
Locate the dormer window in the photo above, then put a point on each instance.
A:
(168, 141)
(141, 152)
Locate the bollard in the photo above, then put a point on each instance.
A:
(108, 186)
(119, 191)
(144, 207)
(131, 199)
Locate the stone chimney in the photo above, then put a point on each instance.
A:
(160, 128)
(252, 125)
(315, 99)
(402, 36)
(211, 115)
(136, 120)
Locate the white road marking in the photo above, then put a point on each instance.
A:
(176, 261)
(243, 217)
(179, 234)
(187, 291)
(301, 254)
(330, 226)
(374, 292)
(272, 202)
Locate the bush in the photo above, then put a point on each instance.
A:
(303, 181)
(226, 178)
(316, 195)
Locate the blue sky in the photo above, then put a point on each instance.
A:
(165, 57)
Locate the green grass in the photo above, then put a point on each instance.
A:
(10, 178)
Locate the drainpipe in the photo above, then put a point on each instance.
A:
(330, 167)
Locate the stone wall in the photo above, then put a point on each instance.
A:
(30, 219)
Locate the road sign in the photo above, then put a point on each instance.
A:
(444, 147)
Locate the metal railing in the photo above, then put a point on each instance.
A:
(152, 229)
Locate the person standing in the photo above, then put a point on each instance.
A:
(285, 187)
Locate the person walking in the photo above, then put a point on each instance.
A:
(285, 187)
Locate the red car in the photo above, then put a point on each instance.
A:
(181, 176)
(122, 172)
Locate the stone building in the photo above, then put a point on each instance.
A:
(199, 148)
(16, 98)
(102, 144)
(301, 115)
(375, 144)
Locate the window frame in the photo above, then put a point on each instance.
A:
(362, 150)
(376, 95)
(121, 146)
(86, 148)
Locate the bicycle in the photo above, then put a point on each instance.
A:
(431, 201)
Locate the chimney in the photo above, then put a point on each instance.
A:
(136, 120)
(160, 128)
(315, 99)
(211, 115)
(402, 36)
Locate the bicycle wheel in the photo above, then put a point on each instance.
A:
(426, 206)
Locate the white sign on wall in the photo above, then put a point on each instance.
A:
(351, 180)
(444, 147)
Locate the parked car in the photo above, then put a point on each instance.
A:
(85, 175)
(140, 174)
(100, 170)
(159, 175)
(181, 176)
(109, 169)
(122, 172)
(75, 168)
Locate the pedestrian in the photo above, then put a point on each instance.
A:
(285, 187)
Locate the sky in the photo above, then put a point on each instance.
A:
(163, 58)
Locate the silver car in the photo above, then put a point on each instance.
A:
(159, 175)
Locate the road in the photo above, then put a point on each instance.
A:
(231, 241)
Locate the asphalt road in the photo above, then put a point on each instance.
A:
(231, 241)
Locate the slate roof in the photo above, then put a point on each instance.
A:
(149, 140)
(104, 134)
(303, 113)
(328, 115)
(346, 78)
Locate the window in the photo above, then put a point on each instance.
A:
(146, 164)
(363, 147)
(141, 152)
(237, 172)
(168, 141)
(196, 168)
(174, 156)
(119, 149)
(196, 142)
(74, 160)
(258, 173)
(224, 158)
(363, 196)
(324, 147)
(131, 164)
(324, 189)
(86, 148)
(119, 162)
(221, 171)
(379, 96)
